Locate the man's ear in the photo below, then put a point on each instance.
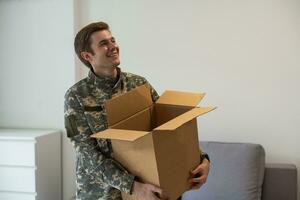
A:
(86, 56)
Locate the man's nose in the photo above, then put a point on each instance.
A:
(112, 45)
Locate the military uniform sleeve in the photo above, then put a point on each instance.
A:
(154, 94)
(92, 161)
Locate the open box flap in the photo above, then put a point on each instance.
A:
(120, 134)
(185, 117)
(128, 104)
(180, 98)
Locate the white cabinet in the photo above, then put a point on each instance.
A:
(30, 164)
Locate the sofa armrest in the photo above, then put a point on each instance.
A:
(280, 182)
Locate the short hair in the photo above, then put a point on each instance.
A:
(82, 39)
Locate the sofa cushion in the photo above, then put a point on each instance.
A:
(236, 172)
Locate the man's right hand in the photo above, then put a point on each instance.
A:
(144, 191)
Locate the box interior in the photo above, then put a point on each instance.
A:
(151, 117)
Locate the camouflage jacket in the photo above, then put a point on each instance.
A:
(98, 175)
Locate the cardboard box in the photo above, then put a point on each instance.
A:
(158, 142)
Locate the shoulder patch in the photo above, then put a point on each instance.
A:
(70, 126)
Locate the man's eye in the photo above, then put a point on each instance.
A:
(103, 43)
(113, 40)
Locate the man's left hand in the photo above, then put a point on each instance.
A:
(199, 175)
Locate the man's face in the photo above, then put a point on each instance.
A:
(106, 51)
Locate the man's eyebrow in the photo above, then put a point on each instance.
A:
(101, 41)
(104, 40)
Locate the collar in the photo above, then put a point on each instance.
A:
(105, 82)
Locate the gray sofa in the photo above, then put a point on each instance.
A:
(238, 172)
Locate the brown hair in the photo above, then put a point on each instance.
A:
(82, 39)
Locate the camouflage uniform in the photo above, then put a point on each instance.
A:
(98, 175)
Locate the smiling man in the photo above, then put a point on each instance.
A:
(98, 174)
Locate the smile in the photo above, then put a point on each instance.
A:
(113, 54)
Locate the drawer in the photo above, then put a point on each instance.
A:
(17, 196)
(17, 152)
(17, 179)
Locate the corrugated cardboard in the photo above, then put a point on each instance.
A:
(158, 142)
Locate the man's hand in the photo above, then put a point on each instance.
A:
(199, 175)
(144, 191)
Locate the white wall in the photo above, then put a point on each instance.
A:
(36, 68)
(244, 54)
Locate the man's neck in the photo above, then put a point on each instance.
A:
(107, 72)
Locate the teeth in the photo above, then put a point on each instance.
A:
(113, 54)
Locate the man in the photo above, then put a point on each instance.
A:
(98, 175)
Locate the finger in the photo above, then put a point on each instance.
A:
(164, 196)
(156, 190)
(198, 169)
(154, 197)
(195, 187)
(201, 179)
(160, 192)
(197, 176)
